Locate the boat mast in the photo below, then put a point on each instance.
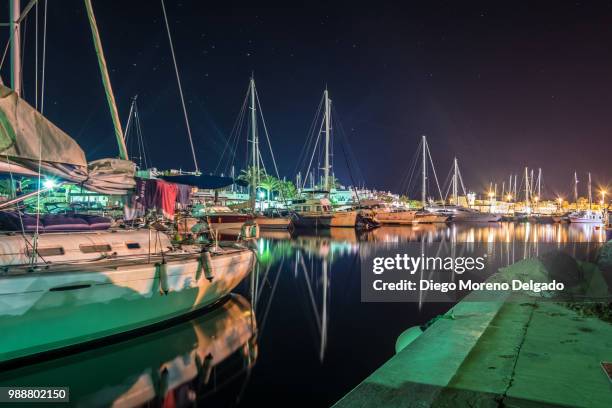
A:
(526, 186)
(576, 189)
(539, 183)
(15, 39)
(110, 97)
(455, 182)
(590, 196)
(531, 186)
(255, 142)
(424, 173)
(326, 166)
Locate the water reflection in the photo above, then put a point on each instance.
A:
(489, 232)
(311, 323)
(313, 253)
(178, 366)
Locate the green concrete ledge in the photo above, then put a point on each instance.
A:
(416, 375)
(524, 352)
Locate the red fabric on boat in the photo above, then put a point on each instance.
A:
(166, 197)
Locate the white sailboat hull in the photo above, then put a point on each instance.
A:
(67, 304)
(587, 217)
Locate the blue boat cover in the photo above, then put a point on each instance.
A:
(12, 221)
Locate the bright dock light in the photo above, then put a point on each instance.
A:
(49, 183)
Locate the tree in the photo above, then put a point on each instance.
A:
(270, 184)
(249, 174)
(288, 190)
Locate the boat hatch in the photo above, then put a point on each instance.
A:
(132, 245)
(47, 251)
(88, 249)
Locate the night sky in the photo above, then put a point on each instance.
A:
(502, 85)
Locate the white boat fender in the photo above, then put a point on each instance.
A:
(407, 337)
(162, 273)
(249, 230)
(206, 264)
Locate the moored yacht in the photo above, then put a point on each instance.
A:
(84, 286)
(587, 217)
(67, 280)
(318, 213)
(383, 213)
(464, 214)
(427, 217)
(222, 218)
(273, 220)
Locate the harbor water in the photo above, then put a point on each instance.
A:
(294, 334)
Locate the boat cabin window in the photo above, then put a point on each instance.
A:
(89, 249)
(132, 245)
(48, 251)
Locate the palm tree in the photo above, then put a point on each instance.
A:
(249, 174)
(270, 184)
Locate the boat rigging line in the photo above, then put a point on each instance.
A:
(231, 143)
(178, 80)
(133, 125)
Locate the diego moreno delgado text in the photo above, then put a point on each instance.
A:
(458, 265)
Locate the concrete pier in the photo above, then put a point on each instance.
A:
(518, 352)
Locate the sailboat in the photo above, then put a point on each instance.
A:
(588, 216)
(385, 214)
(459, 213)
(316, 211)
(271, 220)
(425, 215)
(65, 281)
(526, 214)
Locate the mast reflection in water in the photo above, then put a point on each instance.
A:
(313, 340)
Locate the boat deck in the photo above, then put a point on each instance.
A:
(106, 262)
